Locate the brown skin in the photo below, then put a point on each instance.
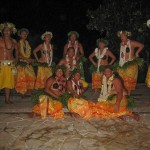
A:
(40, 48)
(134, 44)
(23, 37)
(6, 54)
(73, 38)
(63, 61)
(76, 77)
(101, 46)
(49, 83)
(119, 90)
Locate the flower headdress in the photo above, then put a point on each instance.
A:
(46, 33)
(102, 40)
(23, 30)
(148, 23)
(127, 33)
(9, 25)
(73, 32)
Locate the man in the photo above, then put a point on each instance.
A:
(73, 42)
(46, 50)
(102, 54)
(48, 104)
(70, 61)
(79, 52)
(8, 46)
(127, 55)
(112, 101)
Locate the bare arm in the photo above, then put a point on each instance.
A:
(36, 50)
(48, 90)
(81, 50)
(70, 89)
(119, 90)
(111, 55)
(139, 45)
(91, 59)
(65, 50)
(16, 51)
(61, 62)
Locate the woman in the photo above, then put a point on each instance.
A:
(76, 104)
(45, 61)
(26, 76)
(102, 53)
(48, 103)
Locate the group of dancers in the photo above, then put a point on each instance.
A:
(64, 84)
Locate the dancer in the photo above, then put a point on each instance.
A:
(25, 76)
(44, 68)
(102, 53)
(129, 60)
(8, 71)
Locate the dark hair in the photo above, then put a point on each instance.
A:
(70, 48)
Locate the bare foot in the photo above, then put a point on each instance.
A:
(75, 115)
(11, 102)
(136, 117)
(121, 118)
(6, 102)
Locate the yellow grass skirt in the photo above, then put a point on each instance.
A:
(105, 109)
(47, 106)
(80, 107)
(148, 77)
(7, 76)
(97, 80)
(42, 75)
(25, 79)
(129, 76)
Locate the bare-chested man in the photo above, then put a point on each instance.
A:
(113, 101)
(70, 61)
(128, 54)
(46, 51)
(7, 61)
(73, 42)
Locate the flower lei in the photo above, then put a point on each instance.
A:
(76, 87)
(100, 56)
(76, 46)
(123, 48)
(25, 49)
(50, 56)
(71, 68)
(106, 88)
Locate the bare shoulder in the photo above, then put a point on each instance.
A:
(62, 62)
(50, 80)
(116, 81)
(14, 41)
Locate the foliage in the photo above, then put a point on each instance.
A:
(130, 100)
(22, 64)
(112, 16)
(64, 98)
(36, 94)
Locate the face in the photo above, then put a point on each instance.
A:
(73, 37)
(7, 32)
(101, 45)
(59, 73)
(23, 35)
(77, 76)
(123, 37)
(47, 38)
(108, 73)
(71, 53)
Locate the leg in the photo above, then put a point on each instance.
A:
(7, 96)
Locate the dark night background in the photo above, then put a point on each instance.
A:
(53, 15)
(59, 17)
